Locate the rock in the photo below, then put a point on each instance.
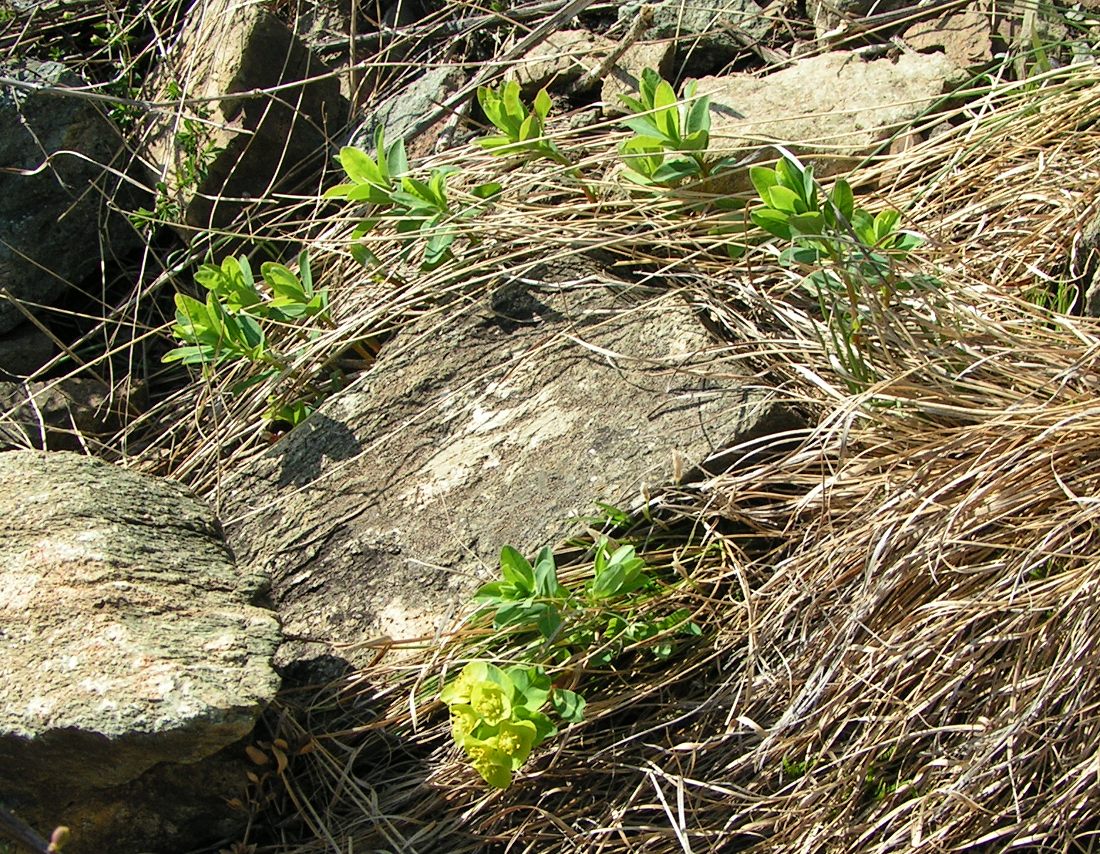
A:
(560, 61)
(131, 651)
(55, 156)
(380, 514)
(1083, 264)
(827, 15)
(75, 413)
(964, 35)
(624, 75)
(215, 156)
(23, 351)
(700, 29)
(407, 113)
(834, 107)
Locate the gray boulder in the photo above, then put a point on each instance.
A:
(828, 15)
(65, 414)
(495, 425)
(55, 155)
(237, 143)
(703, 29)
(132, 653)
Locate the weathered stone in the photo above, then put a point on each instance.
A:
(130, 651)
(379, 515)
(835, 108)
(827, 15)
(66, 414)
(560, 60)
(56, 153)
(701, 28)
(407, 113)
(23, 351)
(964, 34)
(240, 143)
(623, 77)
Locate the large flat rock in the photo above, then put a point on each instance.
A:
(489, 426)
(835, 107)
(129, 647)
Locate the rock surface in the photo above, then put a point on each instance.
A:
(244, 143)
(23, 350)
(130, 652)
(66, 414)
(382, 512)
(623, 77)
(835, 106)
(560, 60)
(702, 28)
(54, 157)
(827, 15)
(407, 113)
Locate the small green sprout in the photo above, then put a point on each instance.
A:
(371, 178)
(671, 136)
(234, 321)
(415, 208)
(521, 129)
(593, 623)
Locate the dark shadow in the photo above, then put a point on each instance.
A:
(306, 447)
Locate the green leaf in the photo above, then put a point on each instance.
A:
(513, 108)
(532, 686)
(544, 727)
(784, 199)
(789, 175)
(549, 620)
(283, 283)
(808, 223)
(397, 164)
(487, 191)
(843, 199)
(191, 355)
(546, 575)
(772, 221)
(763, 179)
(517, 570)
(542, 104)
(675, 170)
(367, 193)
(359, 166)
(607, 583)
(885, 223)
(698, 117)
(645, 126)
(569, 705)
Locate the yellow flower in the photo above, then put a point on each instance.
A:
(490, 702)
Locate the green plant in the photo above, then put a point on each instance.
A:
(497, 717)
(671, 136)
(523, 129)
(234, 321)
(195, 153)
(592, 624)
(846, 250)
(415, 208)
(796, 768)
